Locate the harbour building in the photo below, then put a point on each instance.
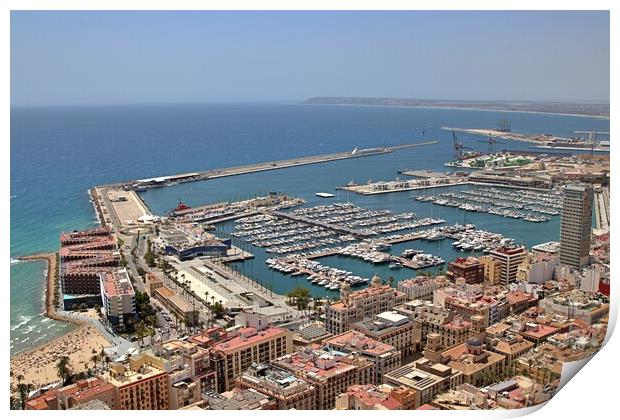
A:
(576, 227)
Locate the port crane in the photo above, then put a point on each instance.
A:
(592, 137)
(492, 142)
(458, 147)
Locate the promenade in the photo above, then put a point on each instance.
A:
(601, 209)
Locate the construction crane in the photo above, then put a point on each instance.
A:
(492, 142)
(458, 147)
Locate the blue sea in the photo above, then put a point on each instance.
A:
(57, 153)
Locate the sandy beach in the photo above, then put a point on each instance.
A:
(38, 365)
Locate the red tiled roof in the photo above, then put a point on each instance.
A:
(244, 339)
(427, 407)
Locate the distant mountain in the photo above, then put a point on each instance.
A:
(590, 109)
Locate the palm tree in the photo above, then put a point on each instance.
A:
(24, 390)
(102, 355)
(95, 359)
(317, 305)
(62, 368)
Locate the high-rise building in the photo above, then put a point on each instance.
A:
(354, 306)
(87, 390)
(509, 259)
(118, 299)
(290, 392)
(234, 356)
(373, 397)
(576, 228)
(470, 268)
(140, 384)
(492, 269)
(390, 328)
(330, 373)
(385, 357)
(422, 287)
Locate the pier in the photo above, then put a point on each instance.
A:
(260, 167)
(329, 226)
(383, 187)
(484, 132)
(541, 141)
(119, 204)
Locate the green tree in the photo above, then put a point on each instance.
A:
(218, 309)
(95, 358)
(63, 369)
(23, 391)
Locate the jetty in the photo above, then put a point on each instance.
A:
(168, 180)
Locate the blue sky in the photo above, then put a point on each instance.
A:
(172, 56)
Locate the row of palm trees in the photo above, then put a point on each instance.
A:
(213, 308)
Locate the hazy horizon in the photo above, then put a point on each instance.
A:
(299, 102)
(64, 58)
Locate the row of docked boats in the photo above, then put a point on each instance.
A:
(550, 199)
(426, 260)
(369, 222)
(416, 261)
(285, 236)
(481, 240)
(318, 274)
(368, 251)
(311, 229)
(466, 203)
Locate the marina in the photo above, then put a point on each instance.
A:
(529, 206)
(293, 181)
(309, 230)
(480, 240)
(316, 273)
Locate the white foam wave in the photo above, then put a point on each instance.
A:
(15, 261)
(23, 320)
(41, 337)
(29, 329)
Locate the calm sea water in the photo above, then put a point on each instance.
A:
(58, 153)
